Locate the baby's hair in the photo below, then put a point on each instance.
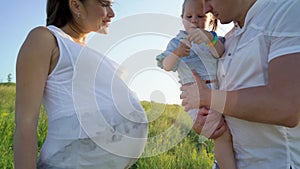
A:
(213, 23)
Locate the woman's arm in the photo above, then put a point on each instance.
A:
(32, 70)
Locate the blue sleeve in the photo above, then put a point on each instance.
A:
(170, 48)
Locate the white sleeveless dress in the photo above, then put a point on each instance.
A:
(94, 120)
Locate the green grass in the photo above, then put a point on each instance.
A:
(191, 152)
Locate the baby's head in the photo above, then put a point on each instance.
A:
(193, 15)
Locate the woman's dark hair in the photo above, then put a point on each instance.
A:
(58, 12)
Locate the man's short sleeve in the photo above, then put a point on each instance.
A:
(285, 30)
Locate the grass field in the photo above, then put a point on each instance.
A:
(191, 152)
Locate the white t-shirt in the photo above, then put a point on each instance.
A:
(94, 119)
(271, 30)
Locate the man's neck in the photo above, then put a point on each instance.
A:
(247, 4)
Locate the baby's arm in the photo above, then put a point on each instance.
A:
(200, 35)
(171, 60)
(218, 49)
(224, 151)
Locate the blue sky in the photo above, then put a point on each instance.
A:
(19, 17)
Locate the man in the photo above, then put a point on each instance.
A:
(259, 82)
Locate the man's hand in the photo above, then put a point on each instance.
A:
(209, 123)
(191, 94)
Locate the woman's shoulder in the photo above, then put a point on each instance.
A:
(41, 32)
(41, 38)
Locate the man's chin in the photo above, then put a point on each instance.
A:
(224, 21)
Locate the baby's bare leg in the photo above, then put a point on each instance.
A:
(224, 151)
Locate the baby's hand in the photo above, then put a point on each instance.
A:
(198, 36)
(183, 49)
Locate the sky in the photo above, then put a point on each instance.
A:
(19, 17)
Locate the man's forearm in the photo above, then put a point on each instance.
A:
(258, 104)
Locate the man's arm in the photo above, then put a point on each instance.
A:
(276, 103)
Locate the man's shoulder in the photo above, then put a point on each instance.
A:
(277, 16)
